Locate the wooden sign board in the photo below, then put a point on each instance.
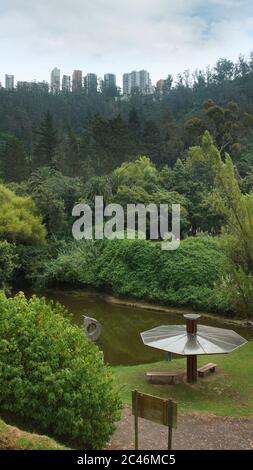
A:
(155, 409)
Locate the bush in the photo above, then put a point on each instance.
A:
(19, 219)
(75, 264)
(51, 375)
(33, 260)
(8, 263)
(185, 277)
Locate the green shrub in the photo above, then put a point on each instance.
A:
(19, 219)
(8, 263)
(52, 375)
(33, 260)
(185, 277)
(75, 264)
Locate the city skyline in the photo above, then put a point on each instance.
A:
(105, 35)
(91, 82)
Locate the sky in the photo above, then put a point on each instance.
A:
(118, 36)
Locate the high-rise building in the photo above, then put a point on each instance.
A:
(91, 83)
(9, 82)
(145, 84)
(66, 83)
(109, 81)
(77, 81)
(137, 80)
(109, 85)
(127, 84)
(55, 80)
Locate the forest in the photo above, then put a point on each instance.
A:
(191, 145)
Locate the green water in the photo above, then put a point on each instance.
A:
(121, 325)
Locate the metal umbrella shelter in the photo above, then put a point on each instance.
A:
(192, 340)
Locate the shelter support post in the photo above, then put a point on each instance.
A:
(192, 369)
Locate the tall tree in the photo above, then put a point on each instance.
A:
(237, 241)
(152, 140)
(46, 143)
(134, 122)
(13, 159)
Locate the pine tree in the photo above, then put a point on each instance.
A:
(13, 158)
(152, 140)
(134, 122)
(46, 143)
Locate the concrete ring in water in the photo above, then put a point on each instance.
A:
(92, 328)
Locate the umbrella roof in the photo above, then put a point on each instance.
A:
(208, 340)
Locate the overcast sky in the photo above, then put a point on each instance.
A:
(100, 36)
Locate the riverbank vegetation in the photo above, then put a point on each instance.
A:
(187, 276)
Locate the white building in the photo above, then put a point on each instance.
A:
(9, 82)
(137, 80)
(55, 80)
(127, 84)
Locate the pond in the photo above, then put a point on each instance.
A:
(122, 324)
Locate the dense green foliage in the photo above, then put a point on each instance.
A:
(140, 269)
(54, 195)
(14, 164)
(237, 209)
(183, 277)
(8, 263)
(19, 219)
(52, 375)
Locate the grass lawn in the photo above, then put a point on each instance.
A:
(13, 438)
(229, 392)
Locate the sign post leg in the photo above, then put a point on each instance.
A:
(170, 424)
(169, 437)
(135, 393)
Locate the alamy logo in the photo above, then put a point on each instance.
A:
(149, 222)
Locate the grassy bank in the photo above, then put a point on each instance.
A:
(13, 438)
(229, 392)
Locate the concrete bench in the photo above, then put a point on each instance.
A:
(207, 368)
(163, 378)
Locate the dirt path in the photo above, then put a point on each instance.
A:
(195, 431)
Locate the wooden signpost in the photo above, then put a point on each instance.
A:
(154, 409)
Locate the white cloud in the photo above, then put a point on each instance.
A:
(164, 36)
